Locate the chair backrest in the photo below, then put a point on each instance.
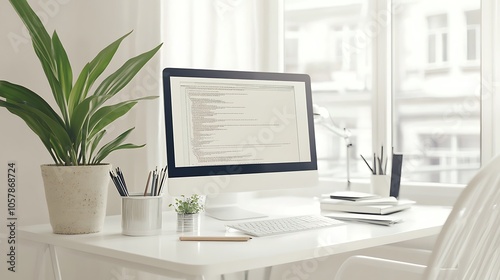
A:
(468, 246)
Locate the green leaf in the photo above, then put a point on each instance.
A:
(119, 79)
(104, 153)
(60, 151)
(95, 141)
(45, 126)
(57, 130)
(108, 114)
(41, 44)
(14, 94)
(63, 66)
(39, 35)
(79, 89)
(54, 85)
(81, 116)
(114, 145)
(30, 120)
(92, 71)
(101, 61)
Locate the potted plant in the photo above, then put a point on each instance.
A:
(76, 184)
(188, 209)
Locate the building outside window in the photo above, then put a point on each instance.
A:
(437, 39)
(325, 40)
(434, 74)
(473, 35)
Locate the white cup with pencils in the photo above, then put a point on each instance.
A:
(381, 185)
(380, 181)
(141, 212)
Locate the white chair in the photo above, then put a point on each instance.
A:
(468, 246)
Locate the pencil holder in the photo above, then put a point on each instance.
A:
(141, 215)
(381, 185)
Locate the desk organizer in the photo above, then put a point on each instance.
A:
(141, 215)
(381, 185)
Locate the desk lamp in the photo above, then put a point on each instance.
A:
(323, 117)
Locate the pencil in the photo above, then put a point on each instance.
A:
(367, 164)
(215, 238)
(147, 183)
(162, 180)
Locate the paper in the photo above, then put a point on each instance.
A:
(375, 201)
(365, 218)
(354, 196)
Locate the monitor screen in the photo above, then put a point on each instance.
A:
(236, 131)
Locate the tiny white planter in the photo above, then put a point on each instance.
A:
(76, 197)
(188, 222)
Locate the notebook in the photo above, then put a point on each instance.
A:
(365, 208)
(365, 218)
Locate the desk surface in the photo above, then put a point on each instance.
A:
(166, 252)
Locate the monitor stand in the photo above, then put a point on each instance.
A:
(224, 207)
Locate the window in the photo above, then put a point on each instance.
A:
(437, 39)
(292, 48)
(434, 116)
(330, 41)
(473, 35)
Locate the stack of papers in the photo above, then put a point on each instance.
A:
(372, 219)
(353, 196)
(362, 203)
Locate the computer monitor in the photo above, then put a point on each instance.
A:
(237, 131)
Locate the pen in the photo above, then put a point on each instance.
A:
(215, 238)
(381, 160)
(367, 164)
(380, 170)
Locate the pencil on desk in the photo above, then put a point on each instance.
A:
(215, 238)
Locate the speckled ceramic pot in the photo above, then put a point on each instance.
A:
(76, 197)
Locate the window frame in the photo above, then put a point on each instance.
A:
(447, 193)
(443, 194)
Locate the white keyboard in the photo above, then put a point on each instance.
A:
(284, 225)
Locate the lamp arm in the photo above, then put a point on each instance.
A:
(320, 113)
(343, 133)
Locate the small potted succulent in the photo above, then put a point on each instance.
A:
(188, 212)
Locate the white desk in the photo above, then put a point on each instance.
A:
(166, 255)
